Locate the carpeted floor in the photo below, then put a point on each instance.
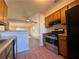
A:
(38, 53)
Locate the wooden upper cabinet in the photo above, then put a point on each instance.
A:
(3, 10)
(46, 21)
(56, 15)
(60, 14)
(51, 17)
(73, 4)
(63, 16)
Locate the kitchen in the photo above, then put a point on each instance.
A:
(38, 27)
(59, 43)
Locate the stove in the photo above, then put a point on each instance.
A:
(52, 38)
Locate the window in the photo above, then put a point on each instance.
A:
(22, 29)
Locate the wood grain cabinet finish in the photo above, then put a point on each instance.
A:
(63, 46)
(10, 55)
(63, 16)
(3, 10)
(56, 15)
(2, 55)
(7, 53)
(51, 18)
(46, 21)
(73, 4)
(60, 14)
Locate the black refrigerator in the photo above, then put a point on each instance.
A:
(72, 22)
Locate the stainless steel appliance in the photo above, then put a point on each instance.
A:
(52, 39)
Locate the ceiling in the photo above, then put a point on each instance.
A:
(20, 8)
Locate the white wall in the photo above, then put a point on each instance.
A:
(42, 28)
(39, 27)
(35, 30)
(13, 25)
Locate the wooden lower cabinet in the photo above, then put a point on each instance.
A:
(63, 46)
(10, 52)
(2, 56)
(10, 55)
(7, 53)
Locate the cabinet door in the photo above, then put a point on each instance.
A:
(63, 16)
(73, 4)
(51, 18)
(46, 21)
(63, 46)
(10, 55)
(1, 11)
(2, 56)
(5, 12)
(56, 15)
(9, 52)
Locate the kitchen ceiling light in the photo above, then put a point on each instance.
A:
(41, 1)
(27, 20)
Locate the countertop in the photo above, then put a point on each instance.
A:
(5, 44)
(62, 34)
(63, 37)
